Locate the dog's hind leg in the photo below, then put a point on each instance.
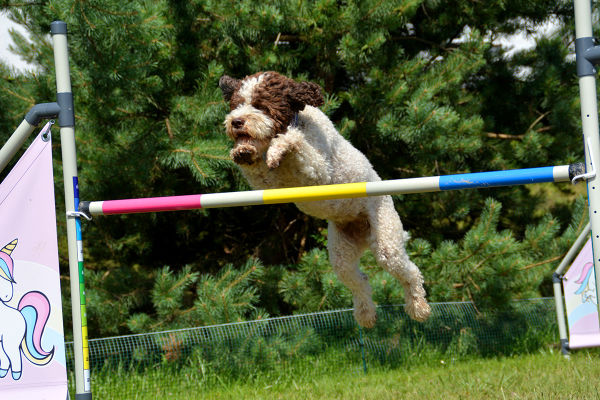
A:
(387, 243)
(346, 243)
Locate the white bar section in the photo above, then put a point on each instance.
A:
(232, 199)
(96, 207)
(561, 173)
(401, 186)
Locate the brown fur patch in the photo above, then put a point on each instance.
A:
(356, 230)
(306, 93)
(271, 97)
(279, 97)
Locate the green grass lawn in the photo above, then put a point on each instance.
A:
(538, 376)
(545, 375)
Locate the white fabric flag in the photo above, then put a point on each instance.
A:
(32, 351)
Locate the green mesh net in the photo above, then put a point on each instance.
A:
(142, 366)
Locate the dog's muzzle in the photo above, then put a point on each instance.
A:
(237, 123)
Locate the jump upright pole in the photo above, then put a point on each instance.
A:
(66, 121)
(588, 55)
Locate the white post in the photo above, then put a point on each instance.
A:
(66, 120)
(589, 120)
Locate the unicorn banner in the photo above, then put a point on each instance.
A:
(581, 301)
(32, 351)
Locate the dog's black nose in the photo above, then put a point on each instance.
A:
(237, 123)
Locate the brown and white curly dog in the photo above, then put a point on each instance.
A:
(281, 139)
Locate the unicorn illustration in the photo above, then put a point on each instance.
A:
(587, 284)
(21, 328)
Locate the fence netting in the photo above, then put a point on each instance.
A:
(187, 360)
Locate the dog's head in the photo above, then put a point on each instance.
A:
(262, 106)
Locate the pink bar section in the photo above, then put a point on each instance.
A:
(151, 204)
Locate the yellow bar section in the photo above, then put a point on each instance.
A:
(86, 350)
(311, 193)
(86, 358)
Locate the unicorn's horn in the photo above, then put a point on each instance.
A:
(8, 249)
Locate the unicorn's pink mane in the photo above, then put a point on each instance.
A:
(584, 272)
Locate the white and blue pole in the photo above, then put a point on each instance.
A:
(66, 120)
(587, 56)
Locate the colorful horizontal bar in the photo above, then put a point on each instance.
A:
(329, 192)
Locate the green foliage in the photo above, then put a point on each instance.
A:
(489, 266)
(117, 293)
(313, 286)
(229, 296)
(167, 297)
(420, 86)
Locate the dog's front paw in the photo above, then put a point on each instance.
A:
(272, 163)
(274, 157)
(243, 154)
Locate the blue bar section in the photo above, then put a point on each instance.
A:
(76, 196)
(497, 178)
(76, 190)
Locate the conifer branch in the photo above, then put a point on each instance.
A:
(241, 277)
(538, 119)
(109, 12)
(21, 5)
(30, 100)
(508, 136)
(476, 286)
(530, 266)
(169, 130)
(372, 10)
(87, 21)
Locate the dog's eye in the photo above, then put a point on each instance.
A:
(259, 105)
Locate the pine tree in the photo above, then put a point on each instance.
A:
(313, 286)
(229, 296)
(418, 85)
(490, 267)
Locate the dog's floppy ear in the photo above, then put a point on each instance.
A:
(228, 86)
(305, 93)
